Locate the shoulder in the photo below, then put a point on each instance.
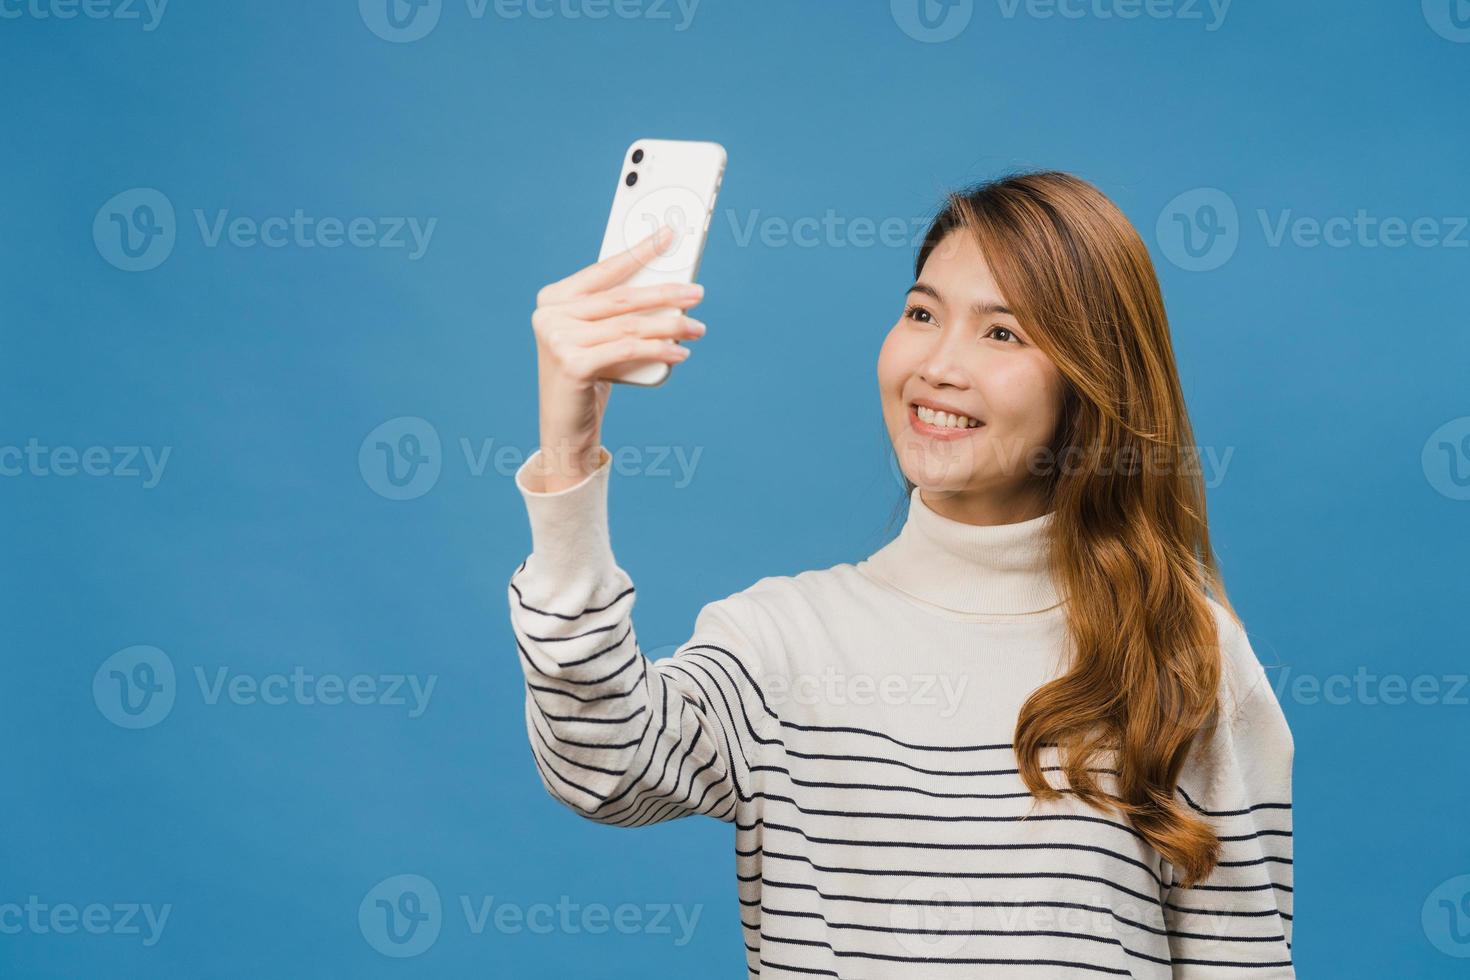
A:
(775, 624)
(1243, 764)
(792, 605)
(1243, 677)
(818, 590)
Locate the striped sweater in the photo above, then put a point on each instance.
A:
(853, 723)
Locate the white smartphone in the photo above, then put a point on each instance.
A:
(663, 182)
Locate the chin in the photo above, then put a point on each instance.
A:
(923, 469)
(943, 484)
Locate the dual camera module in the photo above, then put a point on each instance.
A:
(632, 177)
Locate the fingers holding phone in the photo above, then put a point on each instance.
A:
(622, 319)
(593, 325)
(663, 184)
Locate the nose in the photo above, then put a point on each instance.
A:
(941, 365)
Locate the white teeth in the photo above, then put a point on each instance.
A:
(944, 419)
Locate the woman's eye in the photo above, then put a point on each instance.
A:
(1005, 330)
(917, 313)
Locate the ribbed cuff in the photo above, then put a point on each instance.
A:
(570, 542)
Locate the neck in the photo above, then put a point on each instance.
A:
(961, 567)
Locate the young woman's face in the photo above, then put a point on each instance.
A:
(958, 349)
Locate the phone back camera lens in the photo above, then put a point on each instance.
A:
(632, 178)
(637, 156)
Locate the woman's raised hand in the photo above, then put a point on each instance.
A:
(587, 325)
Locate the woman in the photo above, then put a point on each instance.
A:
(1108, 790)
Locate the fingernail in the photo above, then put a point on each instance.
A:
(694, 289)
(697, 325)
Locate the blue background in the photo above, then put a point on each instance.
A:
(1323, 370)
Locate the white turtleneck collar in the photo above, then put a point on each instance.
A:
(992, 569)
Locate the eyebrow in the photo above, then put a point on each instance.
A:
(979, 309)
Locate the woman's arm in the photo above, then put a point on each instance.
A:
(618, 738)
(1237, 922)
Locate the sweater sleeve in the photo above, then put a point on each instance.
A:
(619, 738)
(1237, 921)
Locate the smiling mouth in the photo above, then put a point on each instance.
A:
(932, 422)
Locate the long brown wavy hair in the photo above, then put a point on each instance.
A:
(1130, 548)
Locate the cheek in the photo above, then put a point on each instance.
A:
(892, 367)
(1028, 396)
